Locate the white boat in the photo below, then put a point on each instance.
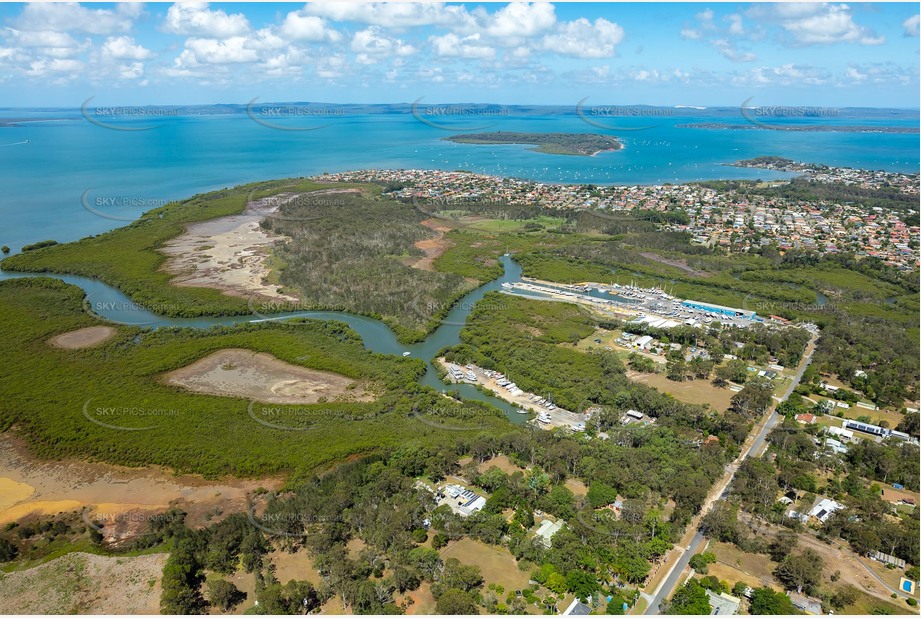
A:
(522, 411)
(405, 353)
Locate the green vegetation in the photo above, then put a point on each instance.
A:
(202, 433)
(868, 315)
(584, 144)
(347, 251)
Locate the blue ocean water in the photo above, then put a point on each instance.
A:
(49, 169)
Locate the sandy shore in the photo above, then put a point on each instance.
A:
(261, 376)
(31, 486)
(228, 253)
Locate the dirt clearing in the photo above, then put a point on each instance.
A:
(432, 247)
(83, 338)
(80, 583)
(260, 376)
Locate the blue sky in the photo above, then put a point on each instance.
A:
(829, 54)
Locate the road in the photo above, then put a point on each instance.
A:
(722, 488)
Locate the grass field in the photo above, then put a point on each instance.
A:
(496, 564)
(757, 566)
(689, 391)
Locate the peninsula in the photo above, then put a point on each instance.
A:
(581, 144)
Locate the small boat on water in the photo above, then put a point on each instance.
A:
(522, 411)
(406, 353)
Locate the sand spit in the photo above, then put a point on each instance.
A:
(83, 338)
(260, 376)
(228, 253)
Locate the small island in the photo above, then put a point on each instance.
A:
(581, 144)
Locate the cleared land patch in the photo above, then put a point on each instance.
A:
(261, 376)
(497, 565)
(689, 391)
(83, 337)
(80, 583)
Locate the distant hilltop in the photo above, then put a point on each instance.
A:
(580, 144)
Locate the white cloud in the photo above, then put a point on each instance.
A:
(300, 26)
(817, 23)
(584, 39)
(46, 42)
(735, 24)
(196, 19)
(452, 45)
(50, 67)
(724, 40)
(788, 75)
(370, 42)
(124, 48)
(728, 50)
(72, 17)
(517, 20)
(392, 14)
(233, 50)
(910, 25)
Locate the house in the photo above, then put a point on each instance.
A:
(577, 608)
(723, 604)
(802, 517)
(836, 446)
(824, 509)
(841, 434)
(463, 501)
(804, 603)
(643, 342)
(546, 530)
(805, 419)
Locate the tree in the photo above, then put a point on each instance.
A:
(295, 597)
(782, 545)
(181, 583)
(910, 423)
(581, 583)
(556, 583)
(600, 495)
(690, 600)
(700, 561)
(454, 602)
(456, 575)
(615, 606)
(768, 602)
(800, 571)
(8, 551)
(844, 596)
(721, 522)
(224, 595)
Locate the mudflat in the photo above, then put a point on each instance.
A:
(256, 375)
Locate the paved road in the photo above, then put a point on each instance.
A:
(671, 580)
